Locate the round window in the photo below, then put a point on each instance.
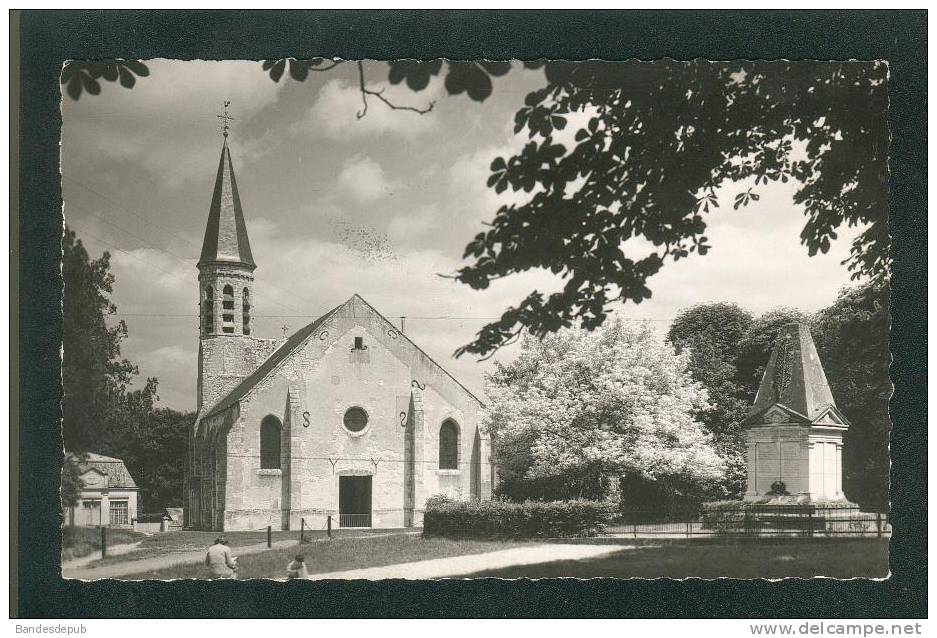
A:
(356, 419)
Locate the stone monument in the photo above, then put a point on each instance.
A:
(794, 432)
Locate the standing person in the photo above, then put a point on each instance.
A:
(219, 559)
(297, 569)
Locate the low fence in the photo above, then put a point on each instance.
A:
(752, 520)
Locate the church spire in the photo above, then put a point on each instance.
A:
(226, 266)
(226, 239)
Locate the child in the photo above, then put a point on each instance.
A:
(297, 569)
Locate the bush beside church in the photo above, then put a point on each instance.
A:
(503, 519)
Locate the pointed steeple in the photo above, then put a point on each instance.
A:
(226, 234)
(794, 379)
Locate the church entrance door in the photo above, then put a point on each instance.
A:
(354, 501)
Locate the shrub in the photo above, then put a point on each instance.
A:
(726, 517)
(778, 488)
(502, 519)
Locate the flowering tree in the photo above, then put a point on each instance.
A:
(591, 405)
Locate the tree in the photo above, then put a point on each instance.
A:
(100, 412)
(94, 376)
(659, 139)
(711, 334)
(852, 341)
(158, 456)
(71, 482)
(593, 406)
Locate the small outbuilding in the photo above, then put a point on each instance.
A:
(108, 494)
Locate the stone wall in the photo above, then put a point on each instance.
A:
(226, 360)
(808, 459)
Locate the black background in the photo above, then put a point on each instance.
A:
(49, 37)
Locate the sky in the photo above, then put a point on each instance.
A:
(337, 205)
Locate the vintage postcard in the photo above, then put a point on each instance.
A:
(356, 319)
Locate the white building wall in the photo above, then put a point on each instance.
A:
(323, 380)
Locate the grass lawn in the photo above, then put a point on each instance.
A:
(341, 553)
(865, 558)
(82, 541)
(176, 542)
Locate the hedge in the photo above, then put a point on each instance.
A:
(502, 519)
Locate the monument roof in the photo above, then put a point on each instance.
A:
(226, 234)
(794, 379)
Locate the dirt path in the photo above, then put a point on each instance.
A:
(456, 566)
(84, 569)
(115, 570)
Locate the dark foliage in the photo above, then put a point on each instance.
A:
(80, 76)
(712, 333)
(501, 519)
(662, 137)
(852, 341)
(94, 376)
(71, 482)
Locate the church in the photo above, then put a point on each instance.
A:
(346, 418)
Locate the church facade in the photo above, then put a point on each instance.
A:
(346, 418)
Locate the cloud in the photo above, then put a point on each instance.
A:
(414, 224)
(178, 103)
(334, 114)
(364, 180)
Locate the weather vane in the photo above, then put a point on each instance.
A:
(225, 118)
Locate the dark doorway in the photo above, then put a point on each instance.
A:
(354, 501)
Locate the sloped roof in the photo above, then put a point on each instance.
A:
(286, 348)
(794, 378)
(116, 471)
(293, 343)
(418, 348)
(226, 234)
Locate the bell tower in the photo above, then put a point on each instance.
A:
(226, 282)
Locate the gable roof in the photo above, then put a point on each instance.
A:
(226, 234)
(418, 348)
(794, 378)
(294, 343)
(115, 470)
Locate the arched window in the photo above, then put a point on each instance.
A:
(270, 443)
(449, 445)
(227, 309)
(208, 311)
(246, 311)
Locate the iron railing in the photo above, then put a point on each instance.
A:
(354, 520)
(752, 520)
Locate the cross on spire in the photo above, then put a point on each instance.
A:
(225, 118)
